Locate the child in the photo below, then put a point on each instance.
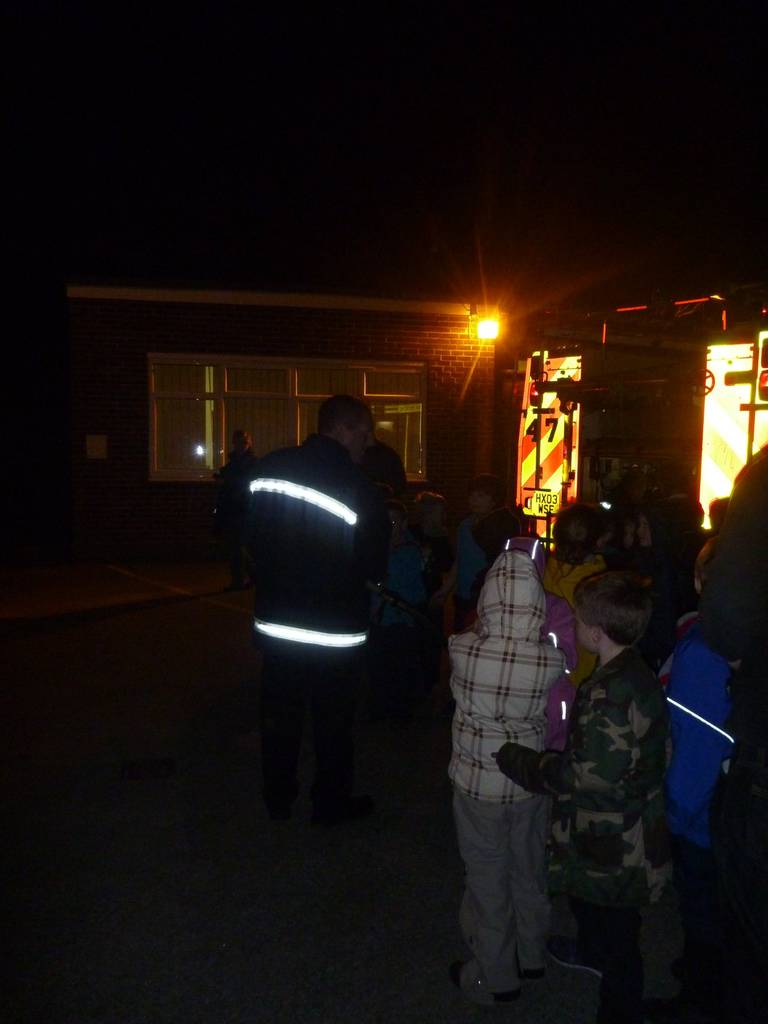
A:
(498, 532)
(610, 845)
(560, 628)
(577, 531)
(501, 672)
(395, 642)
(431, 535)
(485, 495)
(699, 704)
(491, 534)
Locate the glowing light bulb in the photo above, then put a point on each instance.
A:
(488, 329)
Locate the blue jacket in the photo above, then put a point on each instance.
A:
(699, 682)
(470, 559)
(405, 578)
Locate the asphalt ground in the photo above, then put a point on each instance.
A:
(147, 884)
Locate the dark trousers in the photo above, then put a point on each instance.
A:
(293, 677)
(740, 844)
(610, 938)
(394, 670)
(432, 644)
(695, 878)
(239, 563)
(464, 612)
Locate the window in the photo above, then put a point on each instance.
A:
(196, 402)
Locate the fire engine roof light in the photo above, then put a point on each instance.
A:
(308, 494)
(309, 636)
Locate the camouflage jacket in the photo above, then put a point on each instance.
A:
(609, 837)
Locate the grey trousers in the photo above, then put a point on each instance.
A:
(505, 911)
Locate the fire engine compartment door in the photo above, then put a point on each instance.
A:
(547, 455)
(731, 416)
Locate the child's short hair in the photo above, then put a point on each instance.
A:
(576, 532)
(393, 505)
(488, 483)
(493, 530)
(429, 498)
(618, 602)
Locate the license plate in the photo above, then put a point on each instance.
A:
(544, 503)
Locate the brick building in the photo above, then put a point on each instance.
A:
(161, 377)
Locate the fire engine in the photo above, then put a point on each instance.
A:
(672, 388)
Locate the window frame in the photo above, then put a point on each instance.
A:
(221, 363)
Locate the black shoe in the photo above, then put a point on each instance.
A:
(348, 810)
(532, 973)
(478, 992)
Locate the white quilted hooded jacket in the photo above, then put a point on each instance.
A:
(501, 673)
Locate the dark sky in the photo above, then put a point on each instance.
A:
(424, 151)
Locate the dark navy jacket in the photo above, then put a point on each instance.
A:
(310, 565)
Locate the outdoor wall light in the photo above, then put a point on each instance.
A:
(487, 329)
(484, 327)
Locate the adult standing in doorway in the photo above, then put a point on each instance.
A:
(232, 504)
(318, 533)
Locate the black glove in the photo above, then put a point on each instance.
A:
(521, 764)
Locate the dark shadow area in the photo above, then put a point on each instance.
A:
(69, 620)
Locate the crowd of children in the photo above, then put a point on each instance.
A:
(588, 722)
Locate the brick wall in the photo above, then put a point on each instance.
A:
(119, 513)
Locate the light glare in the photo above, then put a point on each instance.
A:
(488, 329)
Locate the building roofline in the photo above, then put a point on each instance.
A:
(237, 297)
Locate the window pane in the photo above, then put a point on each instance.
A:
(384, 382)
(399, 424)
(183, 434)
(308, 419)
(325, 381)
(269, 380)
(182, 377)
(268, 420)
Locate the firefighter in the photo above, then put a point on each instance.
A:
(318, 532)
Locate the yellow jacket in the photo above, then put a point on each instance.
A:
(561, 579)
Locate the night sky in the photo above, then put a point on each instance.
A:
(423, 150)
(516, 152)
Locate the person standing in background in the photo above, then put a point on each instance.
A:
(232, 505)
(734, 623)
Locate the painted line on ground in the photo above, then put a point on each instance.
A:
(178, 590)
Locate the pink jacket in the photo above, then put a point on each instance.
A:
(560, 629)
